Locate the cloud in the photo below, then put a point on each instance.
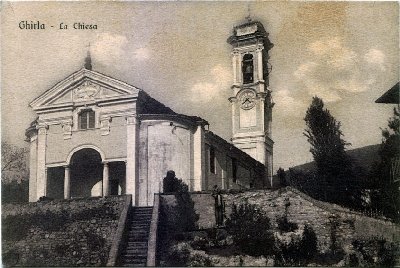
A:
(375, 57)
(335, 69)
(206, 91)
(141, 53)
(109, 48)
(288, 104)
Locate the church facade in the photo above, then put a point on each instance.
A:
(96, 136)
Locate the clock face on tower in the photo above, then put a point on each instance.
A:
(247, 99)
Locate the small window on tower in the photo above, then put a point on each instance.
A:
(86, 119)
(247, 69)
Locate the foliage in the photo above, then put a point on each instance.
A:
(282, 177)
(284, 225)
(297, 252)
(172, 184)
(15, 192)
(385, 191)
(14, 174)
(308, 243)
(334, 167)
(251, 230)
(178, 255)
(12, 157)
(16, 227)
(377, 252)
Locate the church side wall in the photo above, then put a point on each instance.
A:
(164, 145)
(249, 173)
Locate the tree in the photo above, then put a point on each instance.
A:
(251, 230)
(14, 180)
(385, 182)
(13, 162)
(334, 167)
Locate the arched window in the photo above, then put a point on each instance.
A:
(247, 69)
(86, 119)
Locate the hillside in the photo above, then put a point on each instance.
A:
(363, 157)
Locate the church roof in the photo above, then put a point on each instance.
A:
(390, 96)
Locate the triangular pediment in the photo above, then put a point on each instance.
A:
(83, 86)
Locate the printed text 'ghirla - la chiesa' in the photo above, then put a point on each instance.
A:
(96, 136)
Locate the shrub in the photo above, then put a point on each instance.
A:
(178, 255)
(377, 251)
(172, 184)
(198, 259)
(285, 226)
(299, 251)
(250, 230)
(308, 243)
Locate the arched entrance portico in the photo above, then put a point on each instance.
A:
(86, 174)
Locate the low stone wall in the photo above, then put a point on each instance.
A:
(328, 220)
(76, 232)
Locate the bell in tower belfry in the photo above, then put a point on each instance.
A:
(251, 97)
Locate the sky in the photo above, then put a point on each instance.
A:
(347, 53)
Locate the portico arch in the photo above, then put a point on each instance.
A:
(85, 146)
(86, 174)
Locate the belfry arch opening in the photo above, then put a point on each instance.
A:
(248, 69)
(86, 173)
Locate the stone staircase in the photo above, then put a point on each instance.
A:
(135, 252)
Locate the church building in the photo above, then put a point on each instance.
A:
(96, 136)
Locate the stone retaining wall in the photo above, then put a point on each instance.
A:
(327, 220)
(76, 232)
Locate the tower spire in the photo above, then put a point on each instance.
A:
(88, 60)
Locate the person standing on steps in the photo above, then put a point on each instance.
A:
(219, 206)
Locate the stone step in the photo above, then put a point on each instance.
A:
(143, 212)
(135, 249)
(138, 239)
(141, 237)
(139, 231)
(135, 255)
(137, 259)
(137, 244)
(137, 227)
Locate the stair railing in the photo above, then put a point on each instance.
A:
(119, 242)
(152, 242)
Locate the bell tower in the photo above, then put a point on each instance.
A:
(251, 97)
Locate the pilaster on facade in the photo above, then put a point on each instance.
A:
(41, 160)
(198, 159)
(132, 170)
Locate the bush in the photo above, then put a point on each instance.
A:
(178, 255)
(299, 251)
(172, 184)
(285, 226)
(377, 252)
(250, 230)
(308, 243)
